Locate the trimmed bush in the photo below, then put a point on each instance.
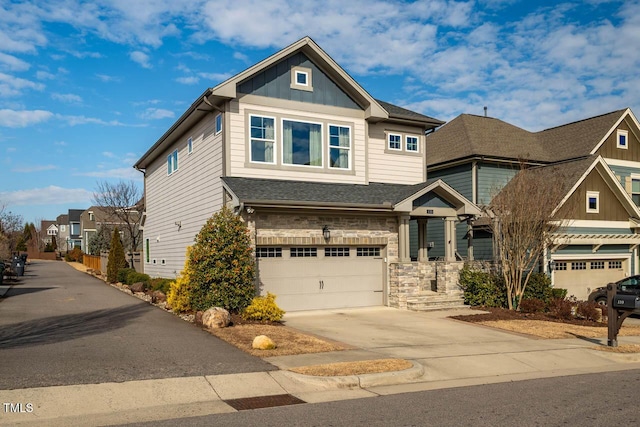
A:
(263, 309)
(123, 273)
(74, 255)
(561, 308)
(589, 310)
(134, 277)
(116, 259)
(160, 284)
(539, 287)
(532, 305)
(558, 293)
(482, 289)
(221, 268)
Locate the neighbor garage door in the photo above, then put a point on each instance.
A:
(581, 276)
(309, 278)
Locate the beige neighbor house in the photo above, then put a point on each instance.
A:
(327, 178)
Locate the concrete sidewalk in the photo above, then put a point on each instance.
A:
(446, 353)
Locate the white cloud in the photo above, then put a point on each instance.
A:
(141, 58)
(34, 168)
(44, 75)
(13, 86)
(116, 173)
(60, 143)
(67, 98)
(12, 63)
(23, 118)
(241, 57)
(190, 80)
(108, 154)
(46, 196)
(215, 77)
(106, 78)
(156, 114)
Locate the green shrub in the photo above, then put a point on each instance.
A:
(263, 309)
(116, 259)
(221, 268)
(123, 273)
(134, 277)
(558, 293)
(482, 289)
(539, 287)
(532, 305)
(160, 284)
(179, 295)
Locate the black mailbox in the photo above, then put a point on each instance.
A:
(629, 302)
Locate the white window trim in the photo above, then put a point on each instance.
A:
(321, 166)
(190, 145)
(595, 194)
(295, 71)
(624, 133)
(406, 143)
(217, 131)
(172, 159)
(389, 135)
(301, 73)
(275, 140)
(329, 146)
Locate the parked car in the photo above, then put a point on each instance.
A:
(628, 286)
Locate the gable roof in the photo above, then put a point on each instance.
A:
(569, 175)
(227, 90)
(469, 136)
(304, 193)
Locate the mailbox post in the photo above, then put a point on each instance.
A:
(619, 307)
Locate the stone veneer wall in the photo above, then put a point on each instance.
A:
(408, 279)
(306, 229)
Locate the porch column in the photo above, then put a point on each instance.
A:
(403, 239)
(469, 240)
(423, 253)
(450, 239)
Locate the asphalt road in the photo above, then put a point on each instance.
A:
(606, 399)
(59, 326)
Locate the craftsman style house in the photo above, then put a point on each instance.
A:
(596, 161)
(328, 179)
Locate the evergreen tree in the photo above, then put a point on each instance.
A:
(221, 266)
(116, 260)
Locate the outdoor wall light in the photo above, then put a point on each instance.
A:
(326, 233)
(552, 265)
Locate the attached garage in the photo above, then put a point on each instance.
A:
(581, 276)
(310, 277)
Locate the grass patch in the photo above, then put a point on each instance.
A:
(624, 348)
(556, 330)
(354, 368)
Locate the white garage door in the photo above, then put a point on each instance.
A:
(310, 278)
(581, 276)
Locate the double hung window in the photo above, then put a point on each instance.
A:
(339, 146)
(263, 139)
(172, 162)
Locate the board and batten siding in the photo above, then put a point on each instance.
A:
(188, 197)
(395, 167)
(239, 160)
(609, 149)
(610, 208)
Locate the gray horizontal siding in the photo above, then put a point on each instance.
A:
(595, 230)
(588, 250)
(491, 179)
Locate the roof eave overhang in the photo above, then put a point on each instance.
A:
(463, 206)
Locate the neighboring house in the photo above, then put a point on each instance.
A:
(596, 161)
(62, 222)
(328, 179)
(96, 217)
(48, 230)
(75, 236)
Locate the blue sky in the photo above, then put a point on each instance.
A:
(86, 87)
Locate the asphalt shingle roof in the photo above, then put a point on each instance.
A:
(274, 190)
(402, 113)
(470, 135)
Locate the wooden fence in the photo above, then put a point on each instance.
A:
(91, 261)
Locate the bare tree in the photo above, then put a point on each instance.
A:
(525, 216)
(10, 231)
(122, 201)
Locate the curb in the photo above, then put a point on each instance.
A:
(358, 381)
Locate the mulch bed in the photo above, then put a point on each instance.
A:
(505, 314)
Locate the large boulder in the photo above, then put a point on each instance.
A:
(157, 297)
(216, 317)
(137, 287)
(263, 342)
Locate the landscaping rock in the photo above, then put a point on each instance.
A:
(216, 317)
(137, 287)
(199, 317)
(263, 342)
(158, 297)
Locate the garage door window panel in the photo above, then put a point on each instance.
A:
(597, 265)
(561, 266)
(368, 252)
(336, 252)
(615, 265)
(580, 265)
(269, 252)
(303, 252)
